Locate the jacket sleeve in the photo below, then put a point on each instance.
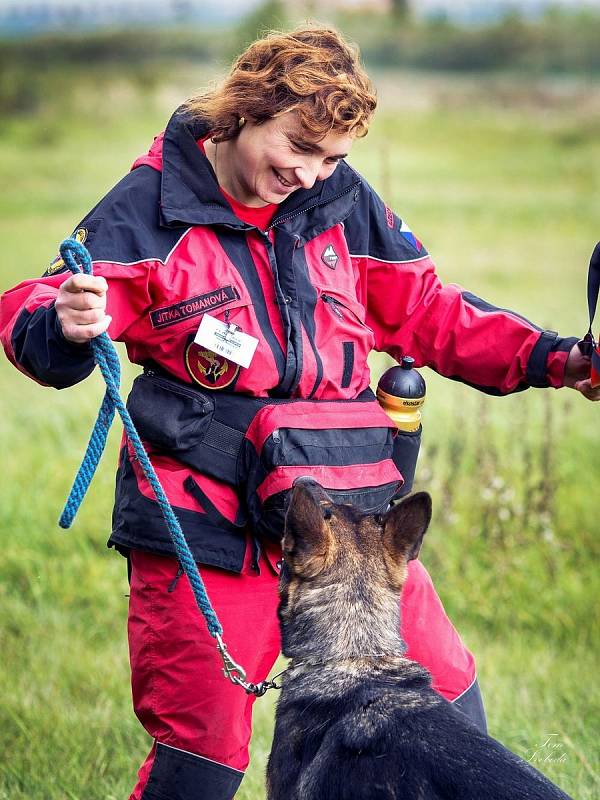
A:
(29, 328)
(441, 326)
(32, 337)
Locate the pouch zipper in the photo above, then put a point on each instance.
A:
(177, 387)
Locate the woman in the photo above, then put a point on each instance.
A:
(245, 211)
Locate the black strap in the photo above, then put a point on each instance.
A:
(213, 514)
(223, 438)
(593, 286)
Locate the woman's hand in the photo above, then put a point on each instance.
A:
(81, 307)
(577, 374)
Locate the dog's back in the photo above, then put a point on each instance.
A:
(356, 719)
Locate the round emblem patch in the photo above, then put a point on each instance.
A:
(209, 369)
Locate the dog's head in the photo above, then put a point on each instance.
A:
(337, 558)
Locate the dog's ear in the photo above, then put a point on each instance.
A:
(307, 538)
(405, 524)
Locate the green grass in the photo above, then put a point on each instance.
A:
(504, 192)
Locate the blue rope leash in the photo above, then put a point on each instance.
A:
(78, 259)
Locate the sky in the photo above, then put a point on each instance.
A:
(240, 6)
(232, 9)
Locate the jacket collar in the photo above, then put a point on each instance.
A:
(190, 193)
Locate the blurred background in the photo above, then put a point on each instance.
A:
(486, 142)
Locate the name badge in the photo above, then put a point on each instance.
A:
(226, 339)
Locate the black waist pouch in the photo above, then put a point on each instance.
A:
(261, 445)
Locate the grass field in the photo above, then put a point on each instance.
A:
(501, 181)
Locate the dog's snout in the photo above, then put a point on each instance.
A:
(309, 485)
(306, 482)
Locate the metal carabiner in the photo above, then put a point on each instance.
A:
(237, 674)
(232, 671)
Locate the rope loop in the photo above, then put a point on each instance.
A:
(78, 259)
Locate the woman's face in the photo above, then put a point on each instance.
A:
(270, 161)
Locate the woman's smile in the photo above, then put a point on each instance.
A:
(286, 184)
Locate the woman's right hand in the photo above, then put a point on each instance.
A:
(81, 307)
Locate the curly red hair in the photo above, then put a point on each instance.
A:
(311, 70)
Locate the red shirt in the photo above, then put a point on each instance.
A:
(259, 217)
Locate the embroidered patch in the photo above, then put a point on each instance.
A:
(209, 369)
(192, 307)
(389, 217)
(329, 257)
(58, 264)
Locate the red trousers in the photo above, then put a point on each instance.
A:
(179, 693)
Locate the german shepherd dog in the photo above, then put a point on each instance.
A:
(355, 718)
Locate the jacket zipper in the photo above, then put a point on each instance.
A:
(336, 306)
(280, 220)
(333, 304)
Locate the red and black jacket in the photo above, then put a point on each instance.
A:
(335, 276)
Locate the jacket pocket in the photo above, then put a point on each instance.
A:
(342, 306)
(347, 447)
(167, 414)
(343, 340)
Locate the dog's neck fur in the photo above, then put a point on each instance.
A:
(353, 621)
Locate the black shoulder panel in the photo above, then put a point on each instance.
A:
(374, 230)
(125, 225)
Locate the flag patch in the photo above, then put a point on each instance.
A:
(409, 236)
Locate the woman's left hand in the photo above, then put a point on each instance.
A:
(577, 374)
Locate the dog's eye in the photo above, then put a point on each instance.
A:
(378, 518)
(327, 513)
